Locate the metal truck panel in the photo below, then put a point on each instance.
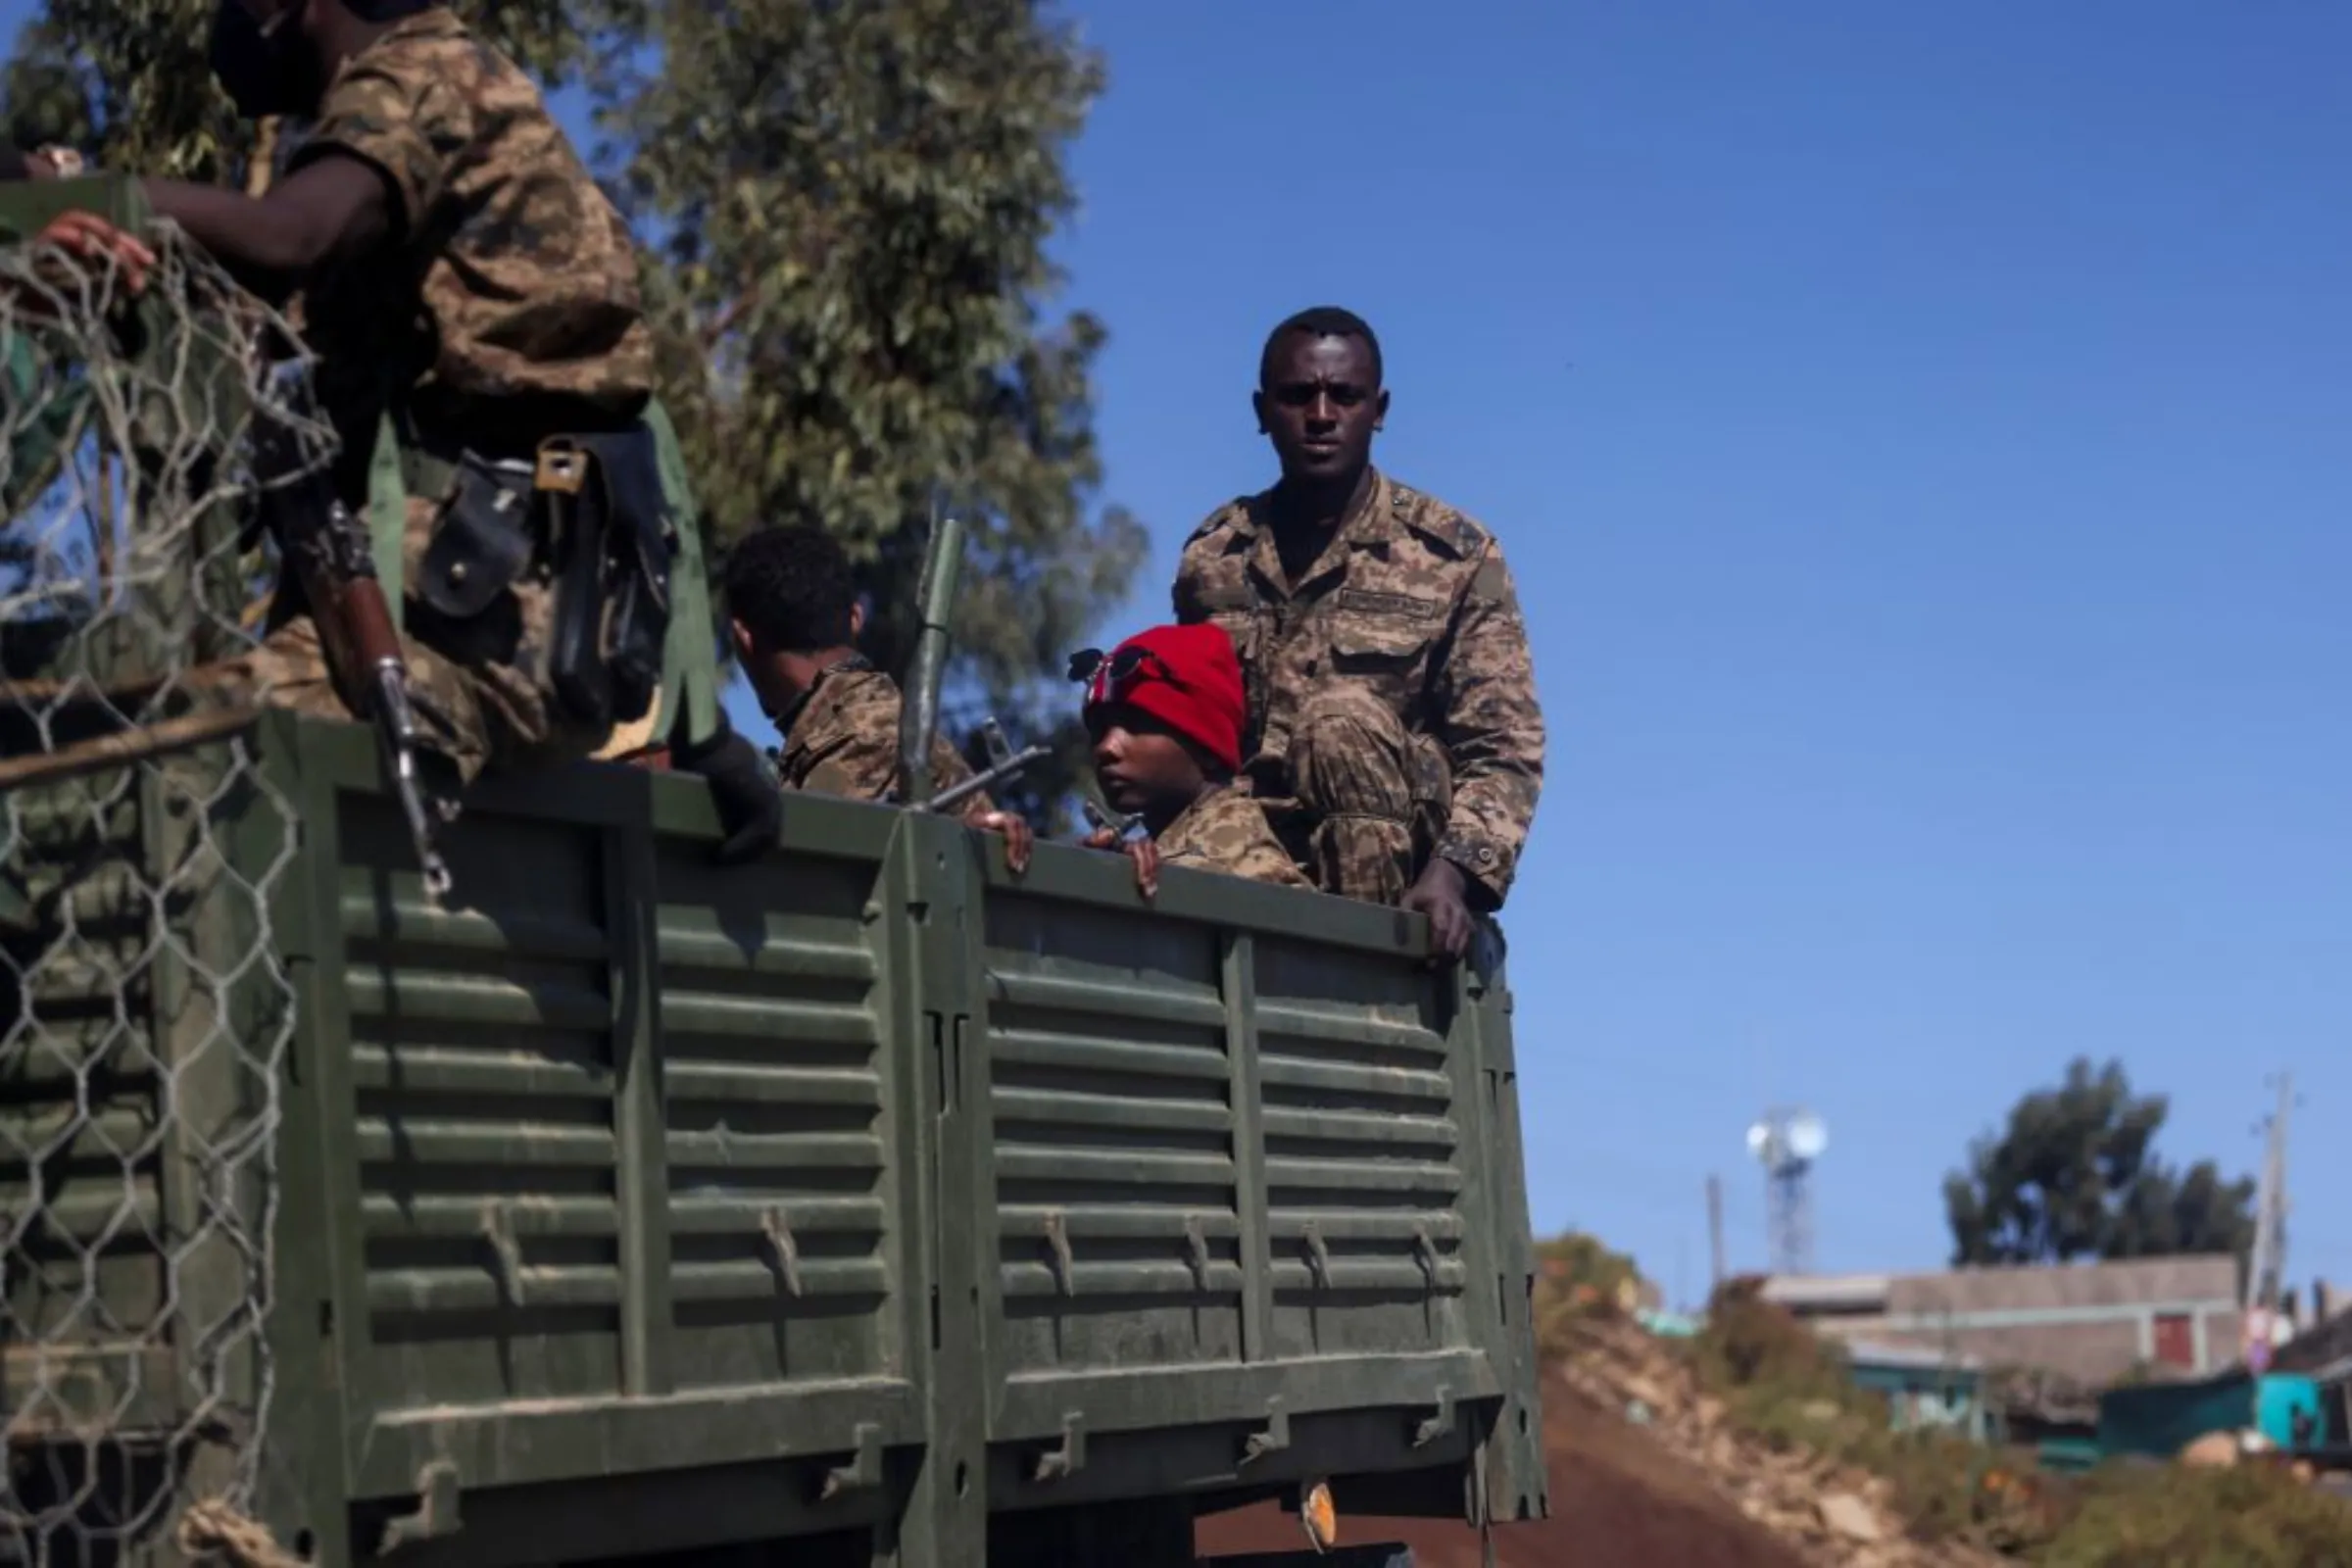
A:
(631, 1204)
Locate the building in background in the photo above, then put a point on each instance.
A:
(1924, 1389)
(2089, 1323)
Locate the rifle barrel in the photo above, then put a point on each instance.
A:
(919, 716)
(1012, 766)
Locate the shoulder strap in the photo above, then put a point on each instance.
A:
(689, 693)
(388, 515)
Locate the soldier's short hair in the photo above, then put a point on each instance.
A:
(791, 586)
(388, 10)
(1320, 320)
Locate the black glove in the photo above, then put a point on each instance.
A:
(749, 801)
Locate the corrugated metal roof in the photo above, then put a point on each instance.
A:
(1850, 1293)
(1879, 1352)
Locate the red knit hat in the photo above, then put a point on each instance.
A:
(1185, 676)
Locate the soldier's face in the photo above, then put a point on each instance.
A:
(1321, 406)
(1141, 766)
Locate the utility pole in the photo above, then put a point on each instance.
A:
(1715, 1234)
(2266, 1269)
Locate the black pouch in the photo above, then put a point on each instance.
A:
(483, 541)
(612, 545)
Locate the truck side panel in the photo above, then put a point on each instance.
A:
(632, 1205)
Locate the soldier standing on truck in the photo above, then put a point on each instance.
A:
(1164, 711)
(1392, 731)
(472, 300)
(795, 616)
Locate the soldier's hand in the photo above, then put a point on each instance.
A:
(1018, 837)
(89, 237)
(750, 802)
(1443, 896)
(1145, 853)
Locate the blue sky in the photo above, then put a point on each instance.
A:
(1923, 436)
(1925, 445)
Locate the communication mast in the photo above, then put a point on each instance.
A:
(2266, 1269)
(1787, 1143)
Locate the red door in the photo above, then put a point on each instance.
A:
(2175, 1341)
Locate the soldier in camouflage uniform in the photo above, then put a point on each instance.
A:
(465, 284)
(795, 616)
(1164, 711)
(1392, 729)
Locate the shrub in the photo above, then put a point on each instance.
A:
(1577, 1279)
(2244, 1516)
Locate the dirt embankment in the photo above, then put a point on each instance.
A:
(1618, 1497)
(1647, 1468)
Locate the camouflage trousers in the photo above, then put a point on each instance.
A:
(476, 701)
(1366, 800)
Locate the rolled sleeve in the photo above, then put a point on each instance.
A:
(408, 131)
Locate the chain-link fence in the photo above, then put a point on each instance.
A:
(144, 1012)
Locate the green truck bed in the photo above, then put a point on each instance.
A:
(868, 1199)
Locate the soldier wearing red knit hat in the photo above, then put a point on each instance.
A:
(1165, 712)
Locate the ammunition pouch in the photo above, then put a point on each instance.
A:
(610, 549)
(586, 524)
(485, 539)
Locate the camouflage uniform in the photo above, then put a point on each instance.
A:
(845, 741)
(1226, 830)
(1392, 700)
(503, 307)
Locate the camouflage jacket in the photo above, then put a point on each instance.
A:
(1411, 601)
(845, 741)
(509, 284)
(1225, 830)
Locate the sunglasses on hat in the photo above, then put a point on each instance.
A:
(1092, 665)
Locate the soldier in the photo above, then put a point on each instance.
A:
(795, 616)
(1164, 711)
(1392, 726)
(471, 297)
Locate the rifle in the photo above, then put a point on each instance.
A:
(1128, 830)
(332, 560)
(1003, 763)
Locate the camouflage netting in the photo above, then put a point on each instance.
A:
(144, 1012)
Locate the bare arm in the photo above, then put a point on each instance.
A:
(331, 208)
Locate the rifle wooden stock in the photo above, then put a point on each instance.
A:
(354, 627)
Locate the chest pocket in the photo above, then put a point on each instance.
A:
(1390, 654)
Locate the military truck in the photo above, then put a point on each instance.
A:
(866, 1204)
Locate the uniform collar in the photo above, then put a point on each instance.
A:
(790, 720)
(1368, 525)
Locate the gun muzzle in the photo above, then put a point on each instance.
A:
(398, 722)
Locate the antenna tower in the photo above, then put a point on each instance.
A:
(1785, 1143)
(2266, 1270)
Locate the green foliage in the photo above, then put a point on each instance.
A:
(1781, 1383)
(1784, 1384)
(2246, 1516)
(855, 204)
(2075, 1174)
(848, 210)
(1577, 1278)
(127, 81)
